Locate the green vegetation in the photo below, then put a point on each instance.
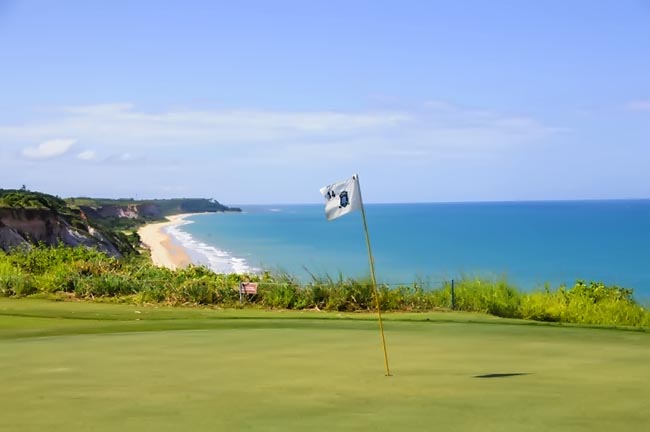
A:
(189, 205)
(22, 198)
(99, 202)
(88, 274)
(75, 366)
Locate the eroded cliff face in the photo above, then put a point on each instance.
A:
(131, 211)
(22, 227)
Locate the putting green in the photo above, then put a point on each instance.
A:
(79, 367)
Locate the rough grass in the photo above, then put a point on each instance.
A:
(80, 366)
(88, 274)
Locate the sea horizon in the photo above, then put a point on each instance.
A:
(499, 201)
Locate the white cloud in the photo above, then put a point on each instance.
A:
(434, 130)
(87, 155)
(49, 149)
(124, 158)
(638, 105)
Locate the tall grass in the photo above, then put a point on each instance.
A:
(89, 274)
(495, 297)
(588, 303)
(14, 281)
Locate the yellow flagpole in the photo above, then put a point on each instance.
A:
(372, 276)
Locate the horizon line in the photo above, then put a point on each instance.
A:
(568, 200)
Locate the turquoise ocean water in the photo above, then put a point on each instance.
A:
(531, 243)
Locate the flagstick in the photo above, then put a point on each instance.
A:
(372, 276)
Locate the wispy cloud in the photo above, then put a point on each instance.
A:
(87, 155)
(48, 149)
(638, 105)
(432, 130)
(124, 158)
(122, 122)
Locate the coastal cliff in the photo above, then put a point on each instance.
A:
(28, 218)
(25, 226)
(128, 211)
(146, 209)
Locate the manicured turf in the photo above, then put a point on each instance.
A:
(79, 367)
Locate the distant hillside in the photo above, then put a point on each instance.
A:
(156, 207)
(129, 213)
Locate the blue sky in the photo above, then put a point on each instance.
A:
(267, 101)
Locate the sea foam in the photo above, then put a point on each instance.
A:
(217, 260)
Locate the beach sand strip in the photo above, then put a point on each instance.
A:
(164, 251)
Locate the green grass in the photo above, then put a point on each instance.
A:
(75, 366)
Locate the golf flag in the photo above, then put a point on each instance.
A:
(341, 198)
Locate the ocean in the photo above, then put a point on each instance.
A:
(530, 243)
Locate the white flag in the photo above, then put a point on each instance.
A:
(341, 198)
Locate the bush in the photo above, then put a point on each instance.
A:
(14, 282)
(493, 297)
(279, 295)
(196, 291)
(105, 285)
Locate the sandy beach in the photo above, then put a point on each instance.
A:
(164, 252)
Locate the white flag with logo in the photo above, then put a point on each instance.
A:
(341, 198)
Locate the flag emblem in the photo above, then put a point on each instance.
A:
(344, 199)
(341, 198)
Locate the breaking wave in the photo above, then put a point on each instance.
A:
(217, 260)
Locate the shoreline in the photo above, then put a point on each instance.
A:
(176, 249)
(164, 251)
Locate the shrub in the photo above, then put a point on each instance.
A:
(105, 285)
(196, 291)
(278, 295)
(15, 282)
(493, 297)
